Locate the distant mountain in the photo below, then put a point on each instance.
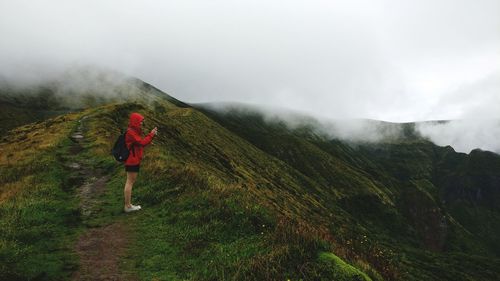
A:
(74, 90)
(231, 192)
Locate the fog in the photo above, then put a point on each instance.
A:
(75, 88)
(464, 135)
(397, 61)
(353, 131)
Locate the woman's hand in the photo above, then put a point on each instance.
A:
(154, 131)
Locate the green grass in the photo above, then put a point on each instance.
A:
(193, 238)
(39, 222)
(338, 269)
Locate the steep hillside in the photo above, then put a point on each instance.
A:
(406, 191)
(232, 196)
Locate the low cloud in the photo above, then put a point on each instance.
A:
(362, 130)
(477, 108)
(74, 87)
(79, 86)
(354, 131)
(464, 135)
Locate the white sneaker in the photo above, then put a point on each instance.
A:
(132, 208)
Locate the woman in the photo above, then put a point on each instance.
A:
(135, 143)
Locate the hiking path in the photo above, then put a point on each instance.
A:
(102, 247)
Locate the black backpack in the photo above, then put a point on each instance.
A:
(120, 150)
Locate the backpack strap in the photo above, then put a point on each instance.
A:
(132, 145)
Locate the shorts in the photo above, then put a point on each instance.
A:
(134, 168)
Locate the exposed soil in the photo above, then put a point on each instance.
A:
(100, 249)
(89, 193)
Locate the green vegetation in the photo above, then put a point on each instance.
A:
(340, 270)
(38, 213)
(229, 196)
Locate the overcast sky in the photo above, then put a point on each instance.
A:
(390, 60)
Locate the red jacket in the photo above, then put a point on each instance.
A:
(134, 141)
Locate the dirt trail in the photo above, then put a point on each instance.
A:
(100, 249)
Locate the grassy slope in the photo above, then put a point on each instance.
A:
(214, 201)
(243, 199)
(38, 214)
(12, 115)
(400, 199)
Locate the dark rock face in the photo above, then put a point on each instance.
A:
(473, 178)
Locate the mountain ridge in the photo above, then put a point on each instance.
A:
(235, 194)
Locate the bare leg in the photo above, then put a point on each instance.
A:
(131, 177)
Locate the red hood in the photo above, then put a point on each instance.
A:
(135, 120)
